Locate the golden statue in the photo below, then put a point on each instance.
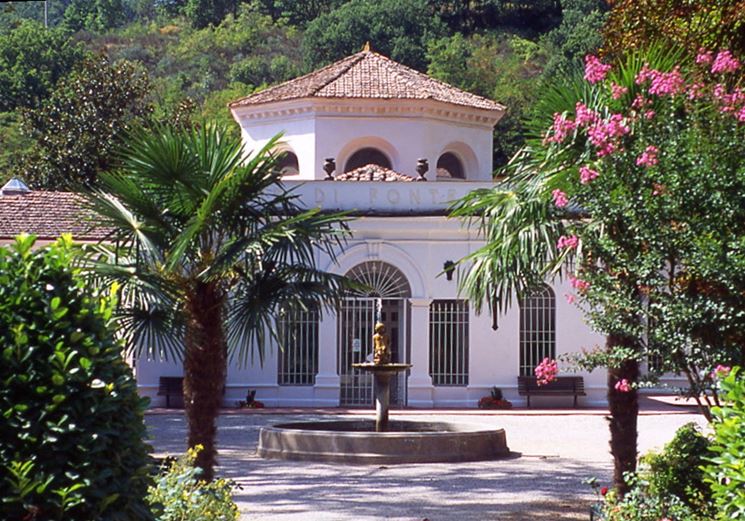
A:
(381, 351)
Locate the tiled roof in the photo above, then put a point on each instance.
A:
(372, 173)
(367, 75)
(46, 215)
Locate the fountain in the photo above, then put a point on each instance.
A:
(385, 441)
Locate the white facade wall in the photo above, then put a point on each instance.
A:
(405, 132)
(418, 246)
(402, 224)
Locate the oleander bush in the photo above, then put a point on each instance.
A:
(72, 431)
(726, 473)
(180, 495)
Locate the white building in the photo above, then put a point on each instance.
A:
(395, 147)
(357, 135)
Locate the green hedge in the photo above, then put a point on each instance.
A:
(72, 431)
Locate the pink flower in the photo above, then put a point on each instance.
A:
(695, 91)
(648, 157)
(658, 189)
(595, 70)
(604, 134)
(720, 371)
(639, 102)
(585, 116)
(567, 241)
(725, 62)
(623, 386)
(644, 75)
(662, 83)
(586, 175)
(579, 284)
(560, 198)
(741, 114)
(546, 371)
(571, 299)
(617, 91)
(562, 127)
(704, 57)
(649, 114)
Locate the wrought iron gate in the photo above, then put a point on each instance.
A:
(356, 321)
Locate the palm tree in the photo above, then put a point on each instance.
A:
(521, 227)
(207, 247)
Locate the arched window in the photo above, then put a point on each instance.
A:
(381, 280)
(288, 164)
(537, 329)
(367, 156)
(450, 167)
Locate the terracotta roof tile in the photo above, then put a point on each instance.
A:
(373, 173)
(46, 215)
(367, 75)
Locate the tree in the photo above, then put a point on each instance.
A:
(470, 16)
(504, 68)
(94, 15)
(76, 130)
(202, 13)
(399, 29)
(298, 13)
(644, 152)
(578, 34)
(211, 250)
(32, 60)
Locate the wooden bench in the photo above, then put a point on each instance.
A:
(562, 386)
(171, 386)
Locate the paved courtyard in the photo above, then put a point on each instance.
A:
(554, 451)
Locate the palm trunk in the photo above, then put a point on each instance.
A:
(624, 412)
(204, 371)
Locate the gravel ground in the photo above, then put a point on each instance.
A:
(554, 452)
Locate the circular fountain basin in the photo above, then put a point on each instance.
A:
(403, 442)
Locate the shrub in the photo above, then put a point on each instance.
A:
(670, 484)
(677, 470)
(179, 494)
(72, 423)
(726, 474)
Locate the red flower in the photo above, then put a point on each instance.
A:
(603, 491)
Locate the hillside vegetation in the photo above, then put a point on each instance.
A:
(70, 91)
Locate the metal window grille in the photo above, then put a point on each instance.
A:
(537, 329)
(298, 357)
(448, 342)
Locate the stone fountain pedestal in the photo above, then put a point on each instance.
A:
(382, 374)
(385, 442)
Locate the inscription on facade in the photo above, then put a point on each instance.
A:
(358, 196)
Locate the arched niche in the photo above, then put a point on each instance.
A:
(457, 153)
(450, 166)
(367, 156)
(370, 142)
(287, 162)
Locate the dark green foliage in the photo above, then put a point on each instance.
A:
(76, 130)
(12, 144)
(202, 13)
(94, 15)
(298, 13)
(578, 35)
(677, 469)
(71, 435)
(32, 59)
(399, 29)
(670, 484)
(726, 474)
(504, 68)
(531, 17)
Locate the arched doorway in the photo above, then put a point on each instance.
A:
(383, 295)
